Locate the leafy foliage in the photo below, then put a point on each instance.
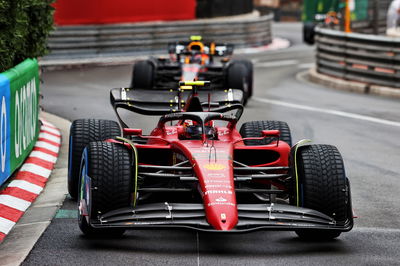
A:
(24, 27)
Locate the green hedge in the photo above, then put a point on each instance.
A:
(24, 27)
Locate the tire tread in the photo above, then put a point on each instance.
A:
(82, 132)
(254, 128)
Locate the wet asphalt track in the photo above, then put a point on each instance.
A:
(370, 148)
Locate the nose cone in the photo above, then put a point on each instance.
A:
(223, 218)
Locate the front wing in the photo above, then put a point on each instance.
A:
(252, 217)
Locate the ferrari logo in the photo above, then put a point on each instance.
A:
(214, 166)
(221, 199)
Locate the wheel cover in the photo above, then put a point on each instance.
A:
(70, 159)
(84, 190)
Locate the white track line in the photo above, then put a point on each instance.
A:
(277, 63)
(198, 248)
(306, 65)
(331, 112)
(25, 185)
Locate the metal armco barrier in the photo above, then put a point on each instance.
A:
(122, 39)
(19, 120)
(359, 57)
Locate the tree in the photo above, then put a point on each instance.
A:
(24, 28)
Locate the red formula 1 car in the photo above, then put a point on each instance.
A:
(195, 60)
(196, 170)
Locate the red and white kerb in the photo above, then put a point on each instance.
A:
(31, 178)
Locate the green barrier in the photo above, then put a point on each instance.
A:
(19, 89)
(315, 10)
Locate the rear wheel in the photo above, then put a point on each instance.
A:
(250, 73)
(309, 33)
(323, 186)
(236, 78)
(143, 75)
(106, 184)
(253, 129)
(82, 132)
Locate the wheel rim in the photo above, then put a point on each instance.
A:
(70, 159)
(84, 190)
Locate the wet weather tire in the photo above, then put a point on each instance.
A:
(82, 132)
(250, 73)
(143, 75)
(309, 33)
(236, 78)
(253, 129)
(108, 166)
(323, 186)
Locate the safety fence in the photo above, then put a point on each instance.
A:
(122, 39)
(360, 57)
(19, 121)
(376, 18)
(370, 18)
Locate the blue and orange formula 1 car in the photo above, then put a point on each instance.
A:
(195, 60)
(197, 171)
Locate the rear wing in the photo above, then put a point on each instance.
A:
(210, 48)
(160, 102)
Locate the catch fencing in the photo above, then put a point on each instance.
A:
(19, 115)
(366, 58)
(375, 21)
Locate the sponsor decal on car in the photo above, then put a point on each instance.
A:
(224, 132)
(215, 166)
(219, 186)
(216, 181)
(206, 155)
(221, 199)
(221, 203)
(171, 132)
(217, 192)
(216, 175)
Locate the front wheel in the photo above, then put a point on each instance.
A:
(250, 73)
(309, 33)
(106, 184)
(82, 132)
(237, 78)
(322, 186)
(143, 75)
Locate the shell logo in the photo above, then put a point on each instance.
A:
(214, 166)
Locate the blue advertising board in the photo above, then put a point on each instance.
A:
(4, 128)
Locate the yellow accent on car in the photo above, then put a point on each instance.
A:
(193, 83)
(135, 153)
(215, 166)
(297, 146)
(196, 38)
(186, 87)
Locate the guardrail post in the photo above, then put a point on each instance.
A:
(347, 17)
